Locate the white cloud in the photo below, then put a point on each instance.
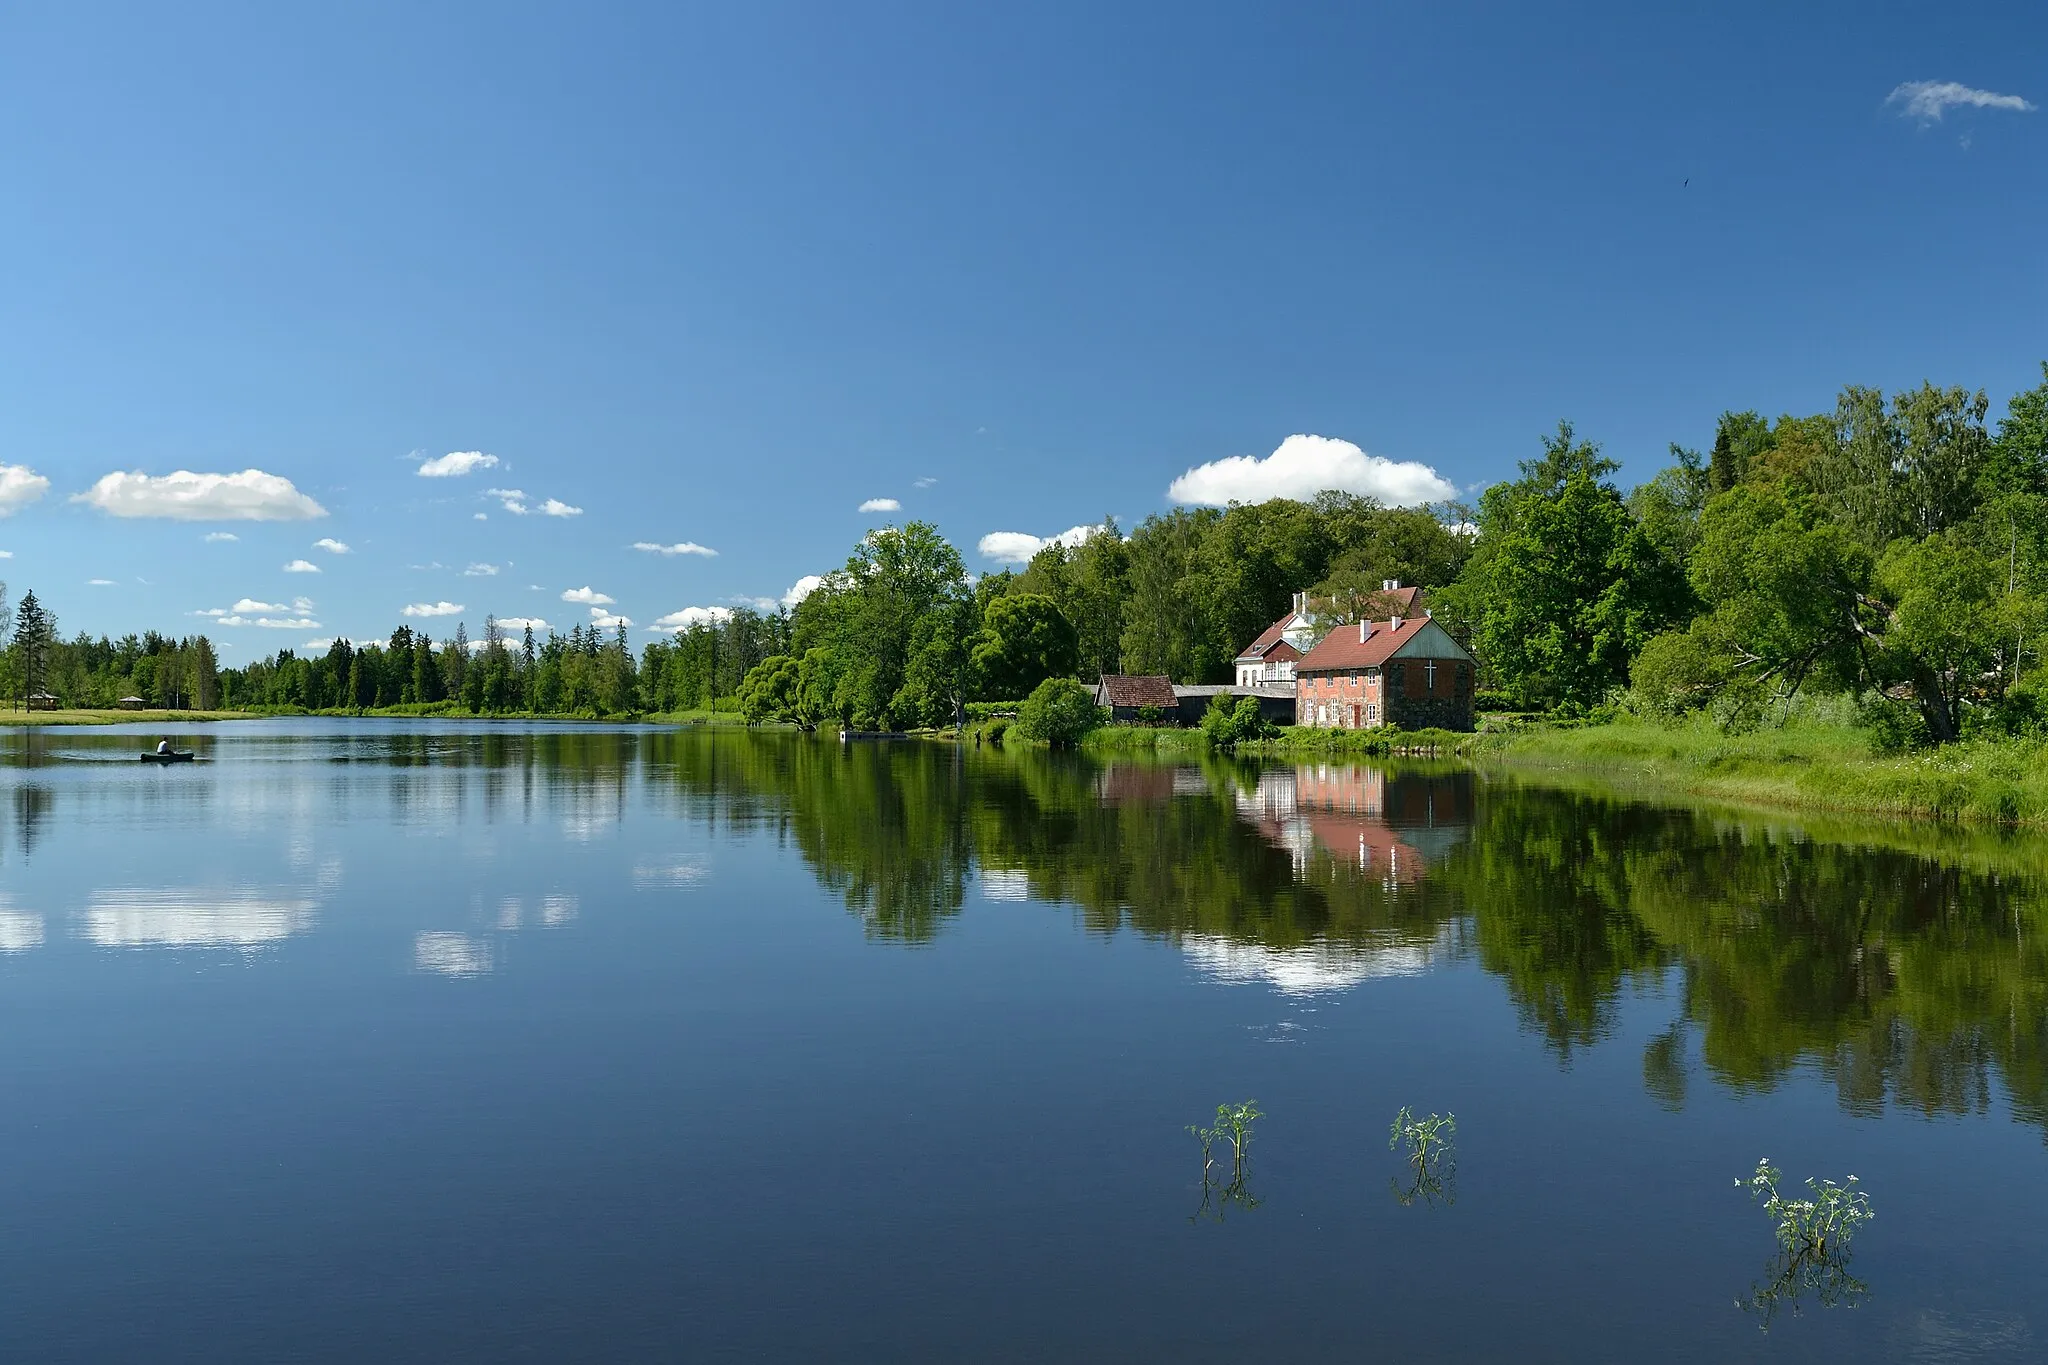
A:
(692, 616)
(481, 571)
(331, 545)
(6, 554)
(801, 589)
(456, 463)
(181, 495)
(515, 501)
(681, 547)
(482, 516)
(881, 505)
(302, 566)
(1017, 547)
(588, 597)
(99, 582)
(604, 620)
(517, 624)
(926, 482)
(266, 622)
(433, 609)
(19, 486)
(1304, 466)
(1929, 100)
(218, 537)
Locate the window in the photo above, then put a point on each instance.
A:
(1354, 677)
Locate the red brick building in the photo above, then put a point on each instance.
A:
(1403, 673)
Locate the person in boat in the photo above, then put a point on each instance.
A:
(163, 746)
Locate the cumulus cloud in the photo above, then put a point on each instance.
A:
(481, 571)
(482, 516)
(1929, 100)
(433, 609)
(1304, 466)
(295, 615)
(302, 566)
(331, 545)
(681, 547)
(19, 486)
(520, 623)
(456, 463)
(515, 501)
(881, 505)
(604, 620)
(801, 589)
(182, 495)
(588, 596)
(692, 616)
(6, 554)
(218, 537)
(1017, 547)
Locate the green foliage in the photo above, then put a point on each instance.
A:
(1564, 587)
(1427, 1144)
(1233, 1126)
(1227, 723)
(772, 690)
(894, 626)
(1813, 1242)
(1025, 639)
(1059, 712)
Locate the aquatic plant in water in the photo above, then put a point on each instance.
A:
(1233, 1126)
(1813, 1243)
(1432, 1157)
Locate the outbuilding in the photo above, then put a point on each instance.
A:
(1133, 697)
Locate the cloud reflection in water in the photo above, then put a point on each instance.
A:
(188, 918)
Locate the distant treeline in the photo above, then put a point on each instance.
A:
(1893, 549)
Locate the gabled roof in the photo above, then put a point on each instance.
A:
(1342, 649)
(1268, 639)
(1139, 689)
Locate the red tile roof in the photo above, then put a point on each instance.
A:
(1268, 638)
(1139, 689)
(1341, 648)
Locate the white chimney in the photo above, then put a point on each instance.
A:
(1394, 624)
(1364, 629)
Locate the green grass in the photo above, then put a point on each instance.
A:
(103, 716)
(1309, 740)
(1807, 767)
(1144, 739)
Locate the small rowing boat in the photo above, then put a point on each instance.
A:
(167, 758)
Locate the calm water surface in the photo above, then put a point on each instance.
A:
(403, 1043)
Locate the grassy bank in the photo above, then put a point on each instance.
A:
(1815, 767)
(1307, 741)
(94, 716)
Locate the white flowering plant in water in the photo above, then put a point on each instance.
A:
(1813, 1240)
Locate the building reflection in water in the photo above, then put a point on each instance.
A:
(189, 918)
(1390, 824)
(1385, 830)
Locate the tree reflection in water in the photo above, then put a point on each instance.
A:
(1910, 976)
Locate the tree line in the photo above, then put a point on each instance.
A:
(1895, 548)
(174, 673)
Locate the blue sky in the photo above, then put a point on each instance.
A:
(718, 276)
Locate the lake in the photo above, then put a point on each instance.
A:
(428, 1042)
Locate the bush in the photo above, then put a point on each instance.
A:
(1226, 725)
(1058, 712)
(994, 728)
(1895, 726)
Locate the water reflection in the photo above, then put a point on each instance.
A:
(20, 930)
(148, 917)
(450, 954)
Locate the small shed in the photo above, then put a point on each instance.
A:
(132, 704)
(41, 701)
(1126, 695)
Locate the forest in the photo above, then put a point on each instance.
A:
(1893, 551)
